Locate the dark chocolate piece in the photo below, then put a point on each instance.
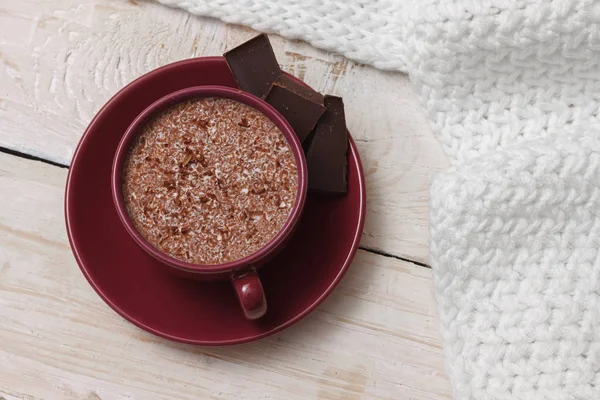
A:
(327, 154)
(300, 106)
(253, 65)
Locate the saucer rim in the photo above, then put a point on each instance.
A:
(131, 318)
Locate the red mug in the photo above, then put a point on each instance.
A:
(242, 272)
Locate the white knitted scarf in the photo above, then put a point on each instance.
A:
(512, 89)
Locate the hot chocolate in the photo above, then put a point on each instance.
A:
(209, 181)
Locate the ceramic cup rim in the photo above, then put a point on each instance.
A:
(260, 105)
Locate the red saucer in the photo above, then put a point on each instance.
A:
(144, 292)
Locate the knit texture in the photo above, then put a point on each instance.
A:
(512, 90)
(515, 240)
(363, 30)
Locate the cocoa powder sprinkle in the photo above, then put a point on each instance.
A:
(209, 181)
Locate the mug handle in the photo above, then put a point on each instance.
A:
(250, 293)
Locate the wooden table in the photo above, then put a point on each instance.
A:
(375, 337)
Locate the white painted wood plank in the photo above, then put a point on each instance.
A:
(376, 337)
(61, 60)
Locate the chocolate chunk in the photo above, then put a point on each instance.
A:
(253, 65)
(301, 106)
(327, 154)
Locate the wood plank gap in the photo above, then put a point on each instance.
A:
(31, 157)
(390, 255)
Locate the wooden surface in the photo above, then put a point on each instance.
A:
(375, 337)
